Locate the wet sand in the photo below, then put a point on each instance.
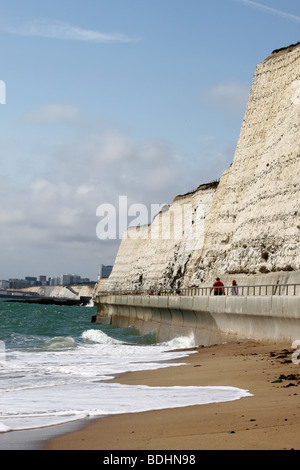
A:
(269, 420)
(35, 439)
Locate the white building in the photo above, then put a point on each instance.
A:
(65, 280)
(4, 284)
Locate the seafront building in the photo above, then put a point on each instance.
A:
(41, 280)
(104, 271)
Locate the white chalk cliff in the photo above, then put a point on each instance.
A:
(249, 223)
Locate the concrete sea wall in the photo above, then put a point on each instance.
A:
(210, 319)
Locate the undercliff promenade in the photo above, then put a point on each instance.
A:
(260, 313)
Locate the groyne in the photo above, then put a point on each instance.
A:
(211, 319)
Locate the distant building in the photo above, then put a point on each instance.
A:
(42, 280)
(67, 280)
(54, 281)
(31, 280)
(104, 271)
(18, 283)
(4, 284)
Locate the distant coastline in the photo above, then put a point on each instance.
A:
(82, 302)
(80, 295)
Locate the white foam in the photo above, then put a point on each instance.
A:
(4, 428)
(48, 386)
(181, 342)
(98, 336)
(32, 409)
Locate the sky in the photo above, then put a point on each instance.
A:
(109, 100)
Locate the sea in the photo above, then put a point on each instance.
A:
(55, 365)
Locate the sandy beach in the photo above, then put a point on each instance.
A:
(268, 420)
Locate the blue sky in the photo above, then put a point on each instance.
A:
(139, 98)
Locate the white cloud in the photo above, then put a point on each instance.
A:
(113, 146)
(273, 11)
(51, 113)
(51, 221)
(48, 219)
(64, 31)
(229, 97)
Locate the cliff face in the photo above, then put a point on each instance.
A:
(62, 292)
(254, 221)
(248, 223)
(157, 255)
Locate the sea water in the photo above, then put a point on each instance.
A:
(55, 364)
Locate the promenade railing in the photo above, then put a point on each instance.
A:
(249, 290)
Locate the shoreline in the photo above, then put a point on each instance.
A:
(269, 420)
(35, 439)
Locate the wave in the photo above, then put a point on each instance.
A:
(60, 342)
(62, 383)
(98, 336)
(181, 342)
(146, 339)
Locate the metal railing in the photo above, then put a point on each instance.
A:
(254, 290)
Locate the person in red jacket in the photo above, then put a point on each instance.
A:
(218, 287)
